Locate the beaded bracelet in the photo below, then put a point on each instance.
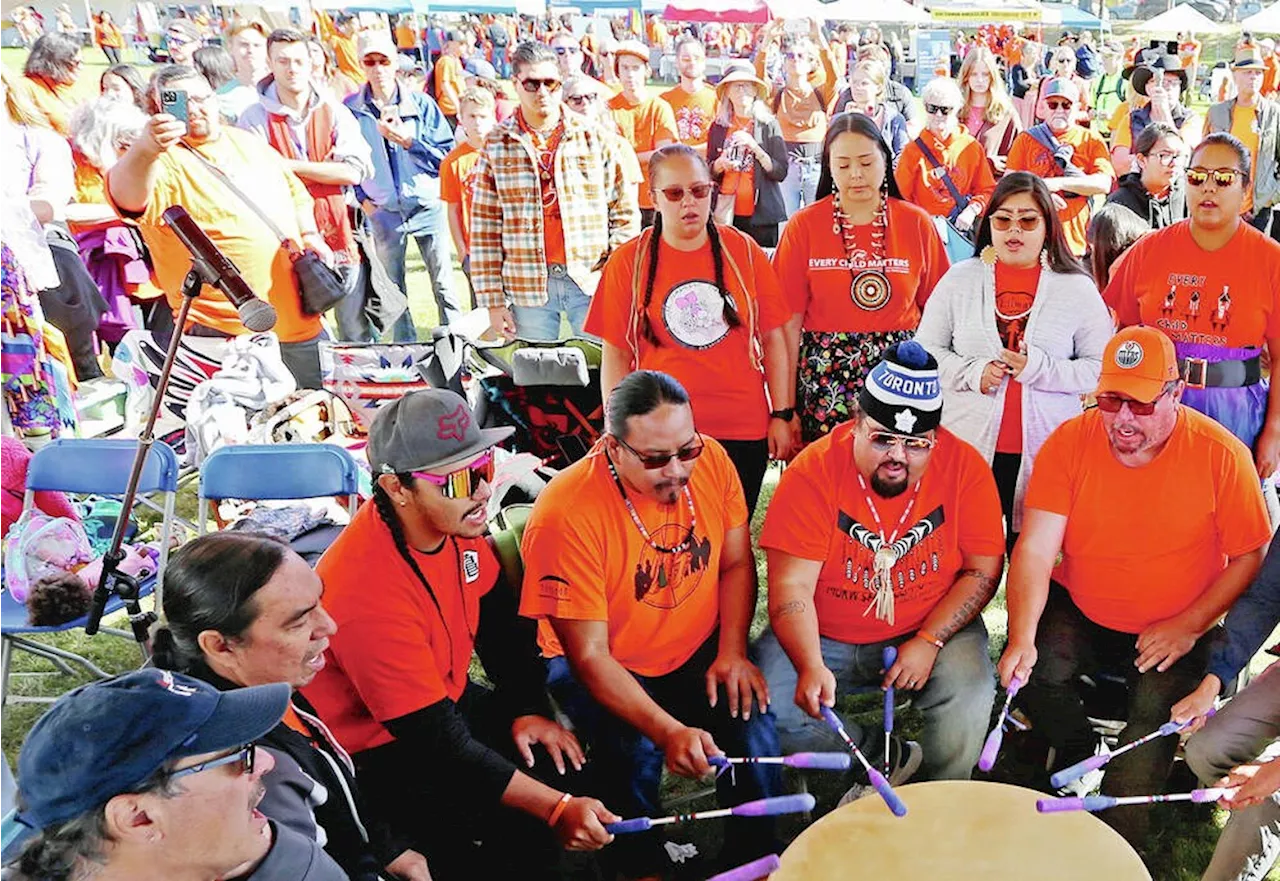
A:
(558, 811)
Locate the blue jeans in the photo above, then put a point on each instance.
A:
(433, 244)
(956, 701)
(500, 62)
(563, 295)
(354, 325)
(626, 766)
(800, 186)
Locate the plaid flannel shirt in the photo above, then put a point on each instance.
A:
(598, 208)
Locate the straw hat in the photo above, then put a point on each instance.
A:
(742, 73)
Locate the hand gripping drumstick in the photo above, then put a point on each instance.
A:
(889, 657)
(1102, 802)
(987, 760)
(764, 807)
(877, 779)
(1079, 769)
(750, 871)
(811, 761)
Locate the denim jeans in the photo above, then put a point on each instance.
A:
(801, 183)
(1068, 644)
(1250, 842)
(956, 701)
(501, 63)
(353, 321)
(563, 295)
(626, 767)
(433, 244)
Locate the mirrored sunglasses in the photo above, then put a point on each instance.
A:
(463, 483)
(884, 441)
(1222, 177)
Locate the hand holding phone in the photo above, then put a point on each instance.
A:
(174, 103)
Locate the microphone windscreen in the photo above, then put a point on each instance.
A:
(257, 315)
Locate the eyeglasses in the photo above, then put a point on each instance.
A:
(1113, 403)
(244, 755)
(377, 61)
(1222, 177)
(1058, 104)
(1025, 222)
(463, 483)
(581, 100)
(1164, 157)
(533, 85)
(938, 109)
(699, 191)
(567, 50)
(659, 460)
(884, 441)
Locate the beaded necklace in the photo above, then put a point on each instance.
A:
(635, 516)
(870, 287)
(885, 556)
(546, 146)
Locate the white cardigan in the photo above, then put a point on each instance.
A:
(1067, 329)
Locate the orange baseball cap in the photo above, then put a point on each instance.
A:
(1137, 362)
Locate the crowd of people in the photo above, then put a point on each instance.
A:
(1018, 329)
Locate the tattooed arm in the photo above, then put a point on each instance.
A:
(793, 582)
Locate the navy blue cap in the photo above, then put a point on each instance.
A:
(108, 737)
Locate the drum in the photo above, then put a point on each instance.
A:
(960, 830)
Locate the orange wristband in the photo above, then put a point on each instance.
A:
(558, 811)
(930, 638)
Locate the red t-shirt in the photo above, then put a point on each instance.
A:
(820, 512)
(1015, 292)
(395, 652)
(835, 294)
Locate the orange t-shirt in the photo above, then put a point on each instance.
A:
(54, 101)
(1271, 78)
(458, 184)
(741, 181)
(801, 120)
(1143, 543)
(405, 37)
(1168, 263)
(696, 345)
(108, 35)
(1015, 292)
(820, 512)
(585, 560)
(396, 651)
(1090, 156)
(962, 157)
(818, 278)
(1244, 125)
(449, 72)
(643, 125)
(257, 169)
(693, 113)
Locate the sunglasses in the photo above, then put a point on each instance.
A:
(244, 755)
(699, 191)
(884, 441)
(533, 85)
(938, 109)
(379, 61)
(463, 483)
(567, 50)
(1222, 177)
(659, 460)
(581, 100)
(1005, 222)
(1058, 104)
(1113, 403)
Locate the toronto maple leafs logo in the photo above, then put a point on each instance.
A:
(453, 426)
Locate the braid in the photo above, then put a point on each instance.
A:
(655, 242)
(731, 317)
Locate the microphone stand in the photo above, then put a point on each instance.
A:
(113, 580)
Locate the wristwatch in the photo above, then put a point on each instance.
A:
(785, 415)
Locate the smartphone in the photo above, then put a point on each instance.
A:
(174, 103)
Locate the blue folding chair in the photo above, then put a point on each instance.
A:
(86, 467)
(254, 472)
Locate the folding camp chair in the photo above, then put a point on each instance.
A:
(86, 467)
(277, 471)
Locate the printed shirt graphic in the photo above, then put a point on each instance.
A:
(696, 344)
(1223, 298)
(1015, 294)
(819, 280)
(819, 512)
(585, 560)
(694, 113)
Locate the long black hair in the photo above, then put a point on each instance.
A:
(857, 124)
(1061, 260)
(731, 316)
(209, 585)
(133, 79)
(1112, 231)
(638, 394)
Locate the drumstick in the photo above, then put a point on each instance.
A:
(890, 655)
(811, 761)
(763, 807)
(987, 760)
(1079, 769)
(1102, 802)
(877, 779)
(750, 871)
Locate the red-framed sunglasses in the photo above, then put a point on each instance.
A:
(463, 483)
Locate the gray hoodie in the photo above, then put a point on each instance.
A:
(295, 858)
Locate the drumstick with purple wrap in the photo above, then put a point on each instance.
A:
(763, 807)
(750, 871)
(877, 779)
(889, 658)
(808, 761)
(1093, 763)
(1102, 802)
(991, 748)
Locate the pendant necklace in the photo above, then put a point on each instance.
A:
(870, 288)
(885, 556)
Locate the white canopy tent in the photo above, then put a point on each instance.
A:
(877, 11)
(1265, 22)
(1179, 20)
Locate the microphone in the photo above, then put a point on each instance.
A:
(255, 314)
